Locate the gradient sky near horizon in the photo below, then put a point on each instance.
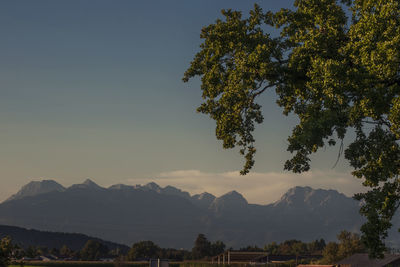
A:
(93, 89)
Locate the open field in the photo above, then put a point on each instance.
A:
(141, 264)
(80, 264)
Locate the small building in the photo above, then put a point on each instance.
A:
(362, 260)
(229, 257)
(252, 257)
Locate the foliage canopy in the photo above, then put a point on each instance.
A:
(93, 250)
(335, 73)
(203, 248)
(144, 250)
(5, 251)
(349, 244)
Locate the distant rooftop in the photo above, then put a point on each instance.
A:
(362, 260)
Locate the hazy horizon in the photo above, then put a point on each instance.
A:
(93, 89)
(255, 192)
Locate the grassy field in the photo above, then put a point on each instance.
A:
(81, 264)
(140, 264)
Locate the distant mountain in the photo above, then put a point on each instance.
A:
(303, 211)
(86, 185)
(121, 214)
(173, 191)
(231, 202)
(37, 187)
(203, 200)
(150, 187)
(168, 190)
(172, 218)
(29, 237)
(305, 198)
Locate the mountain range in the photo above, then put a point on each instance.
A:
(171, 217)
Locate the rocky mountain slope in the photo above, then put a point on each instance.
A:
(173, 218)
(37, 187)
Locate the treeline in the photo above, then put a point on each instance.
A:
(92, 250)
(290, 247)
(95, 250)
(203, 249)
(332, 252)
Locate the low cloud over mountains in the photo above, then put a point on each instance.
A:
(257, 187)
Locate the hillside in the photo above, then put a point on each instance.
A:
(29, 237)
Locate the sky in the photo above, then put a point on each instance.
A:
(93, 89)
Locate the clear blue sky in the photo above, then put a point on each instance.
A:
(93, 89)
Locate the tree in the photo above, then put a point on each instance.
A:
(144, 250)
(330, 253)
(217, 247)
(5, 251)
(93, 250)
(316, 246)
(272, 248)
(292, 247)
(18, 252)
(41, 251)
(32, 252)
(202, 247)
(55, 252)
(175, 254)
(349, 244)
(299, 248)
(65, 251)
(251, 249)
(332, 72)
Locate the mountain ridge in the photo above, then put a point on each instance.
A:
(152, 186)
(42, 187)
(37, 187)
(173, 218)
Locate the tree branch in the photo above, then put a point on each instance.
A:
(263, 90)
